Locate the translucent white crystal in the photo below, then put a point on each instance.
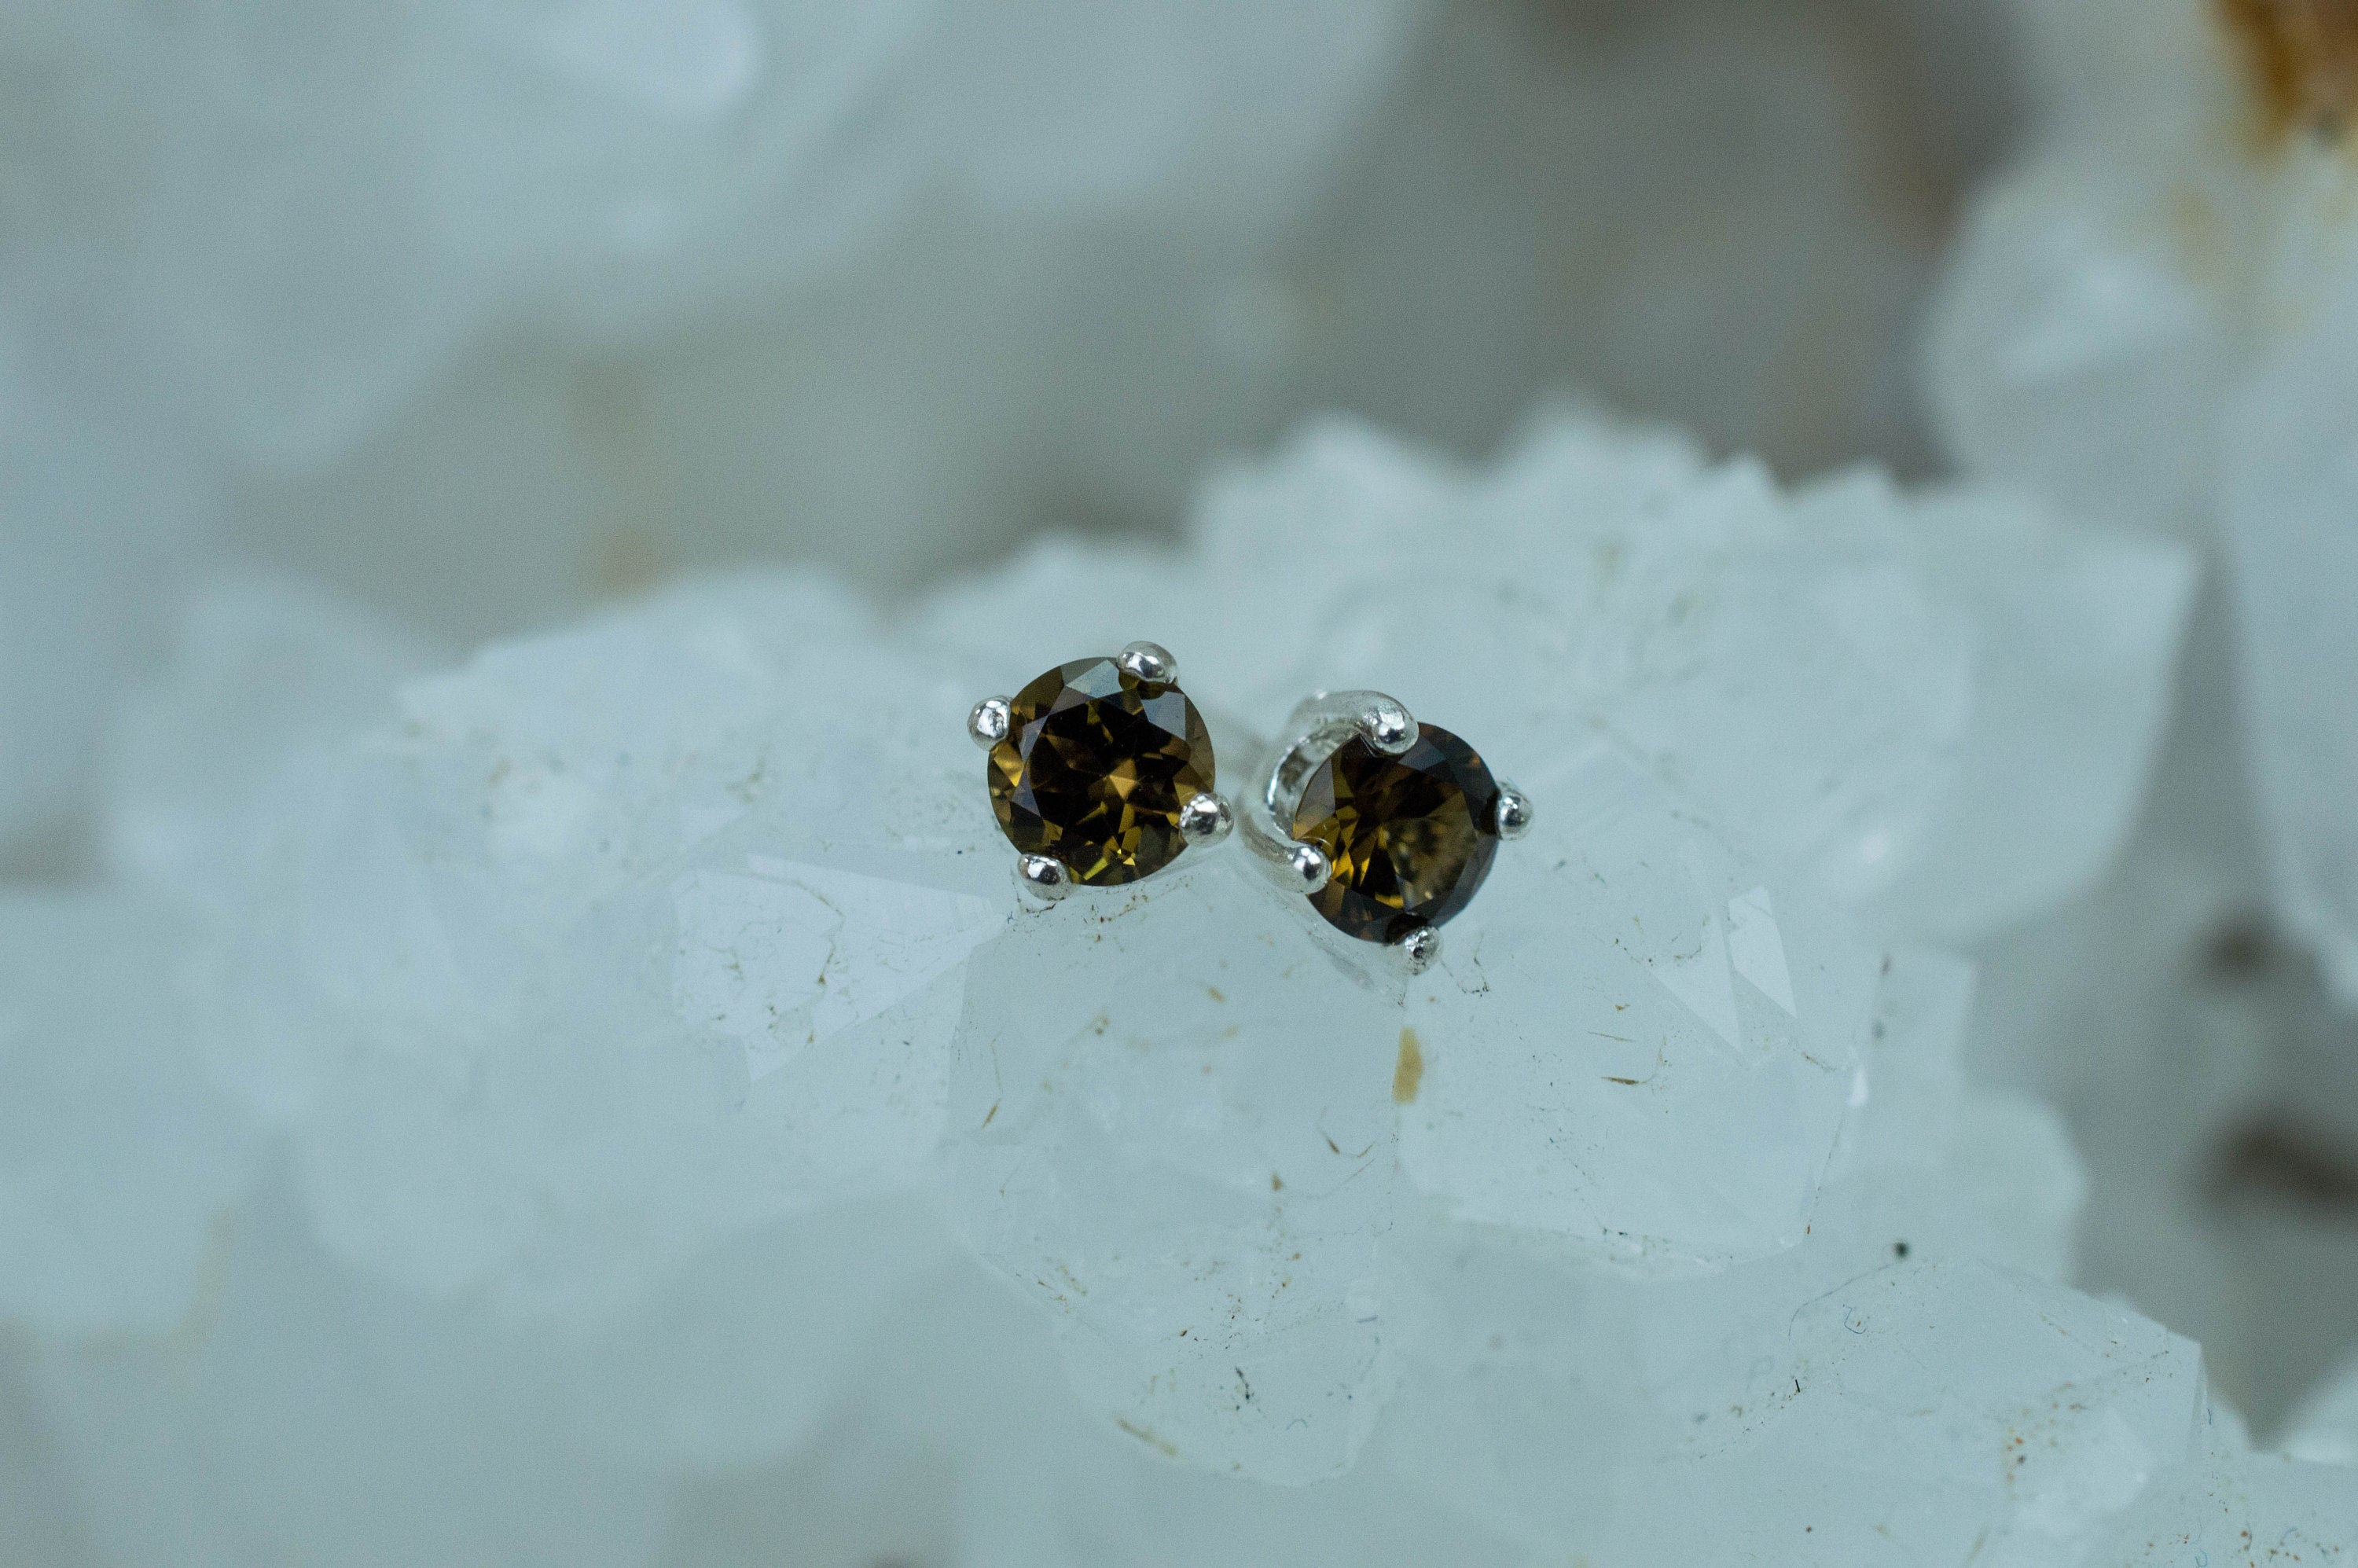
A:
(94, 521)
(313, 1415)
(1664, 621)
(1945, 1408)
(627, 995)
(1632, 1042)
(1171, 1128)
(966, 1424)
(306, 221)
(2080, 347)
(2152, 322)
(2288, 485)
(1851, 681)
(259, 668)
(1537, 1381)
(2065, 620)
(2324, 1427)
(619, 883)
(120, 1165)
(2243, 1511)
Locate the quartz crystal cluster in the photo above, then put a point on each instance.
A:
(2154, 321)
(2146, 320)
(491, 1079)
(667, 281)
(608, 1093)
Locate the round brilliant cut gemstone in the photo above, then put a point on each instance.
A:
(1410, 837)
(1096, 770)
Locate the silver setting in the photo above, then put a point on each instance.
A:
(1205, 819)
(1419, 950)
(1512, 818)
(1043, 877)
(1149, 661)
(986, 724)
(1321, 723)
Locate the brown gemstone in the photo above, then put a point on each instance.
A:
(1094, 768)
(1410, 836)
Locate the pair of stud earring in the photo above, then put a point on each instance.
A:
(1102, 774)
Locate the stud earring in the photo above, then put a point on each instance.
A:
(1100, 772)
(1389, 827)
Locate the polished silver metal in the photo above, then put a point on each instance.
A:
(1511, 817)
(986, 724)
(1321, 722)
(1304, 869)
(1043, 877)
(1149, 661)
(1205, 819)
(1419, 950)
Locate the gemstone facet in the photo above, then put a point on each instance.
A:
(1096, 769)
(1410, 837)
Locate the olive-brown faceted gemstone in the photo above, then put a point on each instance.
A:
(1410, 836)
(1094, 768)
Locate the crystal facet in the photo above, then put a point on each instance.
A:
(1410, 836)
(1096, 771)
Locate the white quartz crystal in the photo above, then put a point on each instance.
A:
(696, 868)
(120, 1165)
(94, 523)
(1936, 1406)
(1171, 1127)
(2248, 1511)
(2324, 1428)
(1851, 681)
(312, 1415)
(310, 216)
(676, 1098)
(1649, 1029)
(257, 668)
(484, 312)
(2287, 493)
(600, 1099)
(1627, 1020)
(2152, 320)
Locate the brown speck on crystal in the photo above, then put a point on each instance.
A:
(1408, 1070)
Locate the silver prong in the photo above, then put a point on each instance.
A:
(1386, 726)
(1512, 817)
(1325, 720)
(1149, 661)
(1419, 949)
(1206, 818)
(1292, 865)
(1043, 877)
(1311, 869)
(986, 724)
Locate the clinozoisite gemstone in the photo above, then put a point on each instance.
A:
(1094, 768)
(1411, 836)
